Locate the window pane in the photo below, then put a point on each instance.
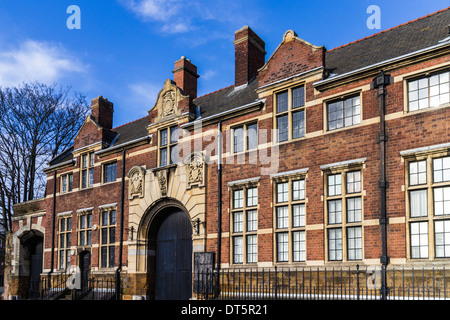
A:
(418, 203)
(335, 244)
(84, 179)
(354, 243)
(299, 246)
(298, 124)
(354, 182)
(174, 135)
(282, 217)
(84, 161)
(419, 240)
(163, 136)
(298, 215)
(238, 139)
(104, 218)
(238, 199)
(252, 197)
(104, 257)
(105, 236)
(282, 102)
(282, 126)
(282, 192)
(334, 211)
(441, 201)
(298, 190)
(417, 172)
(112, 235)
(238, 250)
(91, 177)
(70, 182)
(110, 171)
(111, 256)
(174, 154)
(354, 210)
(282, 247)
(442, 239)
(298, 97)
(252, 249)
(91, 159)
(252, 220)
(441, 169)
(64, 183)
(335, 115)
(163, 157)
(238, 221)
(112, 217)
(252, 136)
(334, 185)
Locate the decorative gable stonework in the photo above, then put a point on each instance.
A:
(293, 56)
(167, 103)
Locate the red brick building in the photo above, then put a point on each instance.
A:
(313, 157)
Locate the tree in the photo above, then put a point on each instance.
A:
(37, 122)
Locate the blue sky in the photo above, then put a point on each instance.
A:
(125, 49)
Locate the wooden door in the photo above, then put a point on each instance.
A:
(173, 279)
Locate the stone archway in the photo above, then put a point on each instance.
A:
(30, 266)
(167, 230)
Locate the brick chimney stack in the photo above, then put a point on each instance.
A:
(102, 112)
(185, 76)
(249, 55)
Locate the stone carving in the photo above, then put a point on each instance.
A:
(163, 177)
(136, 182)
(169, 103)
(195, 169)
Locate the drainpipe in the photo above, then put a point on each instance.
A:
(219, 205)
(122, 204)
(52, 259)
(381, 82)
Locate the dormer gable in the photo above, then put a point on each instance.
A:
(292, 56)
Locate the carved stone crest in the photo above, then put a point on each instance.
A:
(195, 169)
(169, 103)
(136, 182)
(163, 177)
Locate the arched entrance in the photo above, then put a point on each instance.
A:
(31, 261)
(169, 265)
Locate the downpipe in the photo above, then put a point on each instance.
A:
(380, 83)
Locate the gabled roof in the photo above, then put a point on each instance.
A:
(409, 37)
(226, 99)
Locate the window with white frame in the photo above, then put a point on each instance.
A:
(110, 172)
(65, 232)
(344, 215)
(290, 219)
(85, 228)
(66, 182)
(168, 146)
(107, 238)
(244, 224)
(428, 193)
(429, 91)
(290, 113)
(87, 170)
(344, 112)
(245, 137)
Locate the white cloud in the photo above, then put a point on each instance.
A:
(179, 16)
(144, 94)
(36, 61)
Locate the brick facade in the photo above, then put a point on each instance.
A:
(318, 153)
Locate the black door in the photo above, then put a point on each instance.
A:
(85, 266)
(174, 258)
(35, 249)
